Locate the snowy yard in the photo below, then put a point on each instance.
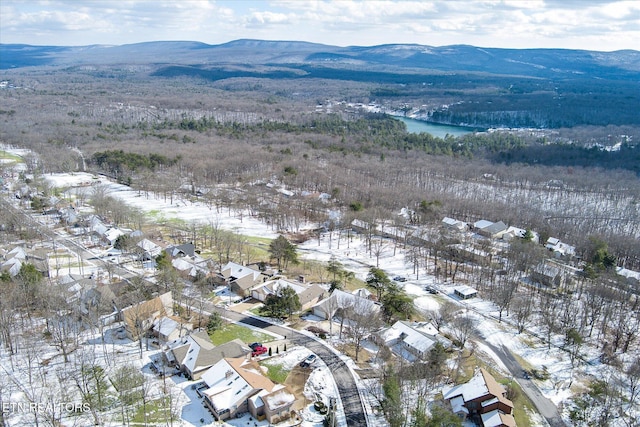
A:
(562, 382)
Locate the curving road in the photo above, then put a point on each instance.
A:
(545, 407)
(347, 387)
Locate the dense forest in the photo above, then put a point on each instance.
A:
(192, 132)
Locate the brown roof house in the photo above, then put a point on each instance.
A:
(482, 399)
(238, 385)
(195, 353)
(309, 295)
(139, 318)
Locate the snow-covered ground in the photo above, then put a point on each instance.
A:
(354, 257)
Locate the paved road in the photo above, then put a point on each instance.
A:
(347, 388)
(48, 234)
(545, 407)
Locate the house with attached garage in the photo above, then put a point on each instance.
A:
(195, 353)
(148, 250)
(454, 224)
(139, 318)
(547, 274)
(559, 248)
(308, 295)
(340, 300)
(237, 385)
(492, 230)
(411, 340)
(241, 279)
(482, 399)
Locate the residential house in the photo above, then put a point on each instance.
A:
(481, 397)
(515, 232)
(559, 248)
(411, 340)
(186, 249)
(103, 234)
(189, 267)
(340, 300)
(465, 292)
(454, 224)
(139, 318)
(363, 293)
(308, 295)
(547, 274)
(83, 290)
(195, 353)
(241, 279)
(18, 256)
(149, 249)
(13, 261)
(237, 385)
(483, 223)
(69, 216)
(469, 253)
(494, 230)
(169, 328)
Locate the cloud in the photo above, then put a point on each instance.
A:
(260, 19)
(593, 24)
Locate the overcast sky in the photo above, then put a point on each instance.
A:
(574, 24)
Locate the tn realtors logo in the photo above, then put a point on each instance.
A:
(30, 407)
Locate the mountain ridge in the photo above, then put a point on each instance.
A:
(544, 63)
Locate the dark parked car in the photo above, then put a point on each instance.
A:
(253, 346)
(431, 289)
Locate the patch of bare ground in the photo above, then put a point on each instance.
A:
(350, 350)
(295, 381)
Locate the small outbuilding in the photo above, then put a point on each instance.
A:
(465, 292)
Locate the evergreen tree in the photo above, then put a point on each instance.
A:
(283, 251)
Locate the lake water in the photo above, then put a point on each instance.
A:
(417, 126)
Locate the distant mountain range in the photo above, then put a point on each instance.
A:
(540, 63)
(463, 85)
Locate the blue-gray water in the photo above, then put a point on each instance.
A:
(417, 126)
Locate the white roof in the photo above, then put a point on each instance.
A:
(273, 286)
(165, 325)
(465, 290)
(628, 273)
(483, 223)
(149, 246)
(238, 271)
(552, 241)
(18, 253)
(457, 405)
(112, 234)
(278, 399)
(344, 300)
(454, 223)
(362, 293)
(226, 385)
(412, 336)
(491, 419)
(557, 246)
(195, 345)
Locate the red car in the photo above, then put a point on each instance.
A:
(258, 350)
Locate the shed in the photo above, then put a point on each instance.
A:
(465, 292)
